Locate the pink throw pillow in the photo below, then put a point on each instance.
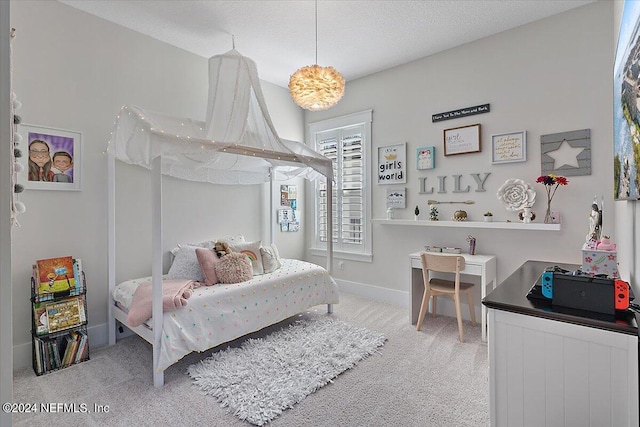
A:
(208, 259)
(234, 268)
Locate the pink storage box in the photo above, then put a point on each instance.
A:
(595, 261)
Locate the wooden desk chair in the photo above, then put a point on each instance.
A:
(434, 287)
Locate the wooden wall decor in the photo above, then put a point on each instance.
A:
(578, 141)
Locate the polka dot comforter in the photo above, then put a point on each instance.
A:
(221, 313)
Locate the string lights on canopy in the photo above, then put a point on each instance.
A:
(316, 88)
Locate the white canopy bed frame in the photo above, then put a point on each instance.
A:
(236, 144)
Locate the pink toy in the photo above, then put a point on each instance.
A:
(604, 244)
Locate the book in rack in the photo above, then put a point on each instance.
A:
(55, 275)
(59, 314)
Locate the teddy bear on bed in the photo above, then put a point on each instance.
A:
(221, 249)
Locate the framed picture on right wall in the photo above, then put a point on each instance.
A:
(626, 152)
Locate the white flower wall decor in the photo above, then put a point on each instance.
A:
(515, 194)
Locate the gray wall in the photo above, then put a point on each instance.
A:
(74, 71)
(550, 76)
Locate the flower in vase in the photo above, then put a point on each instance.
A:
(551, 183)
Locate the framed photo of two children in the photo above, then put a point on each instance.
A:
(51, 158)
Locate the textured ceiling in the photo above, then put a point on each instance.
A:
(356, 37)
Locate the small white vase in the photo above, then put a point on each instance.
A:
(488, 218)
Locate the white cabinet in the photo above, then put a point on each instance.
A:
(546, 372)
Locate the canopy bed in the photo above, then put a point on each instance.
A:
(236, 144)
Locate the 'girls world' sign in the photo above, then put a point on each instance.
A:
(392, 164)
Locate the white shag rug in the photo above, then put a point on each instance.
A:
(265, 376)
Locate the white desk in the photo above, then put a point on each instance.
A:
(475, 265)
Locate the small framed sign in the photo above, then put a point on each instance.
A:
(462, 140)
(396, 197)
(509, 147)
(426, 158)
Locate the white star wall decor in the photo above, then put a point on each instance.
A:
(566, 153)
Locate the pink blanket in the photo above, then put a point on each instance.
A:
(174, 295)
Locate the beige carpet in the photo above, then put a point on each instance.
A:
(424, 378)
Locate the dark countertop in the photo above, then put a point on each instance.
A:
(511, 295)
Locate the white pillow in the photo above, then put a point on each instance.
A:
(252, 250)
(208, 244)
(270, 258)
(186, 265)
(231, 240)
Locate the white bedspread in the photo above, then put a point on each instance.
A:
(220, 313)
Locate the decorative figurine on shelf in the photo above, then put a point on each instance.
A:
(526, 215)
(459, 215)
(416, 212)
(433, 213)
(488, 216)
(605, 244)
(595, 222)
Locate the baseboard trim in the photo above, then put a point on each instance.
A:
(402, 298)
(375, 293)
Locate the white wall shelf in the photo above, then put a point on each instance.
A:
(539, 226)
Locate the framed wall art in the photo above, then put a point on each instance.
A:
(509, 147)
(426, 158)
(462, 140)
(392, 164)
(396, 197)
(566, 153)
(288, 214)
(54, 160)
(626, 172)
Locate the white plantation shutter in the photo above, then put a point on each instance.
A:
(344, 148)
(346, 141)
(352, 181)
(327, 146)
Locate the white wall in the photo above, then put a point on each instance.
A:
(288, 119)
(550, 76)
(75, 71)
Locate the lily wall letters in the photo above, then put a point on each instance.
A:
(458, 184)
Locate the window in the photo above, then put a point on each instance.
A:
(346, 141)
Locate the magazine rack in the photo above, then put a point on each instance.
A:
(59, 326)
